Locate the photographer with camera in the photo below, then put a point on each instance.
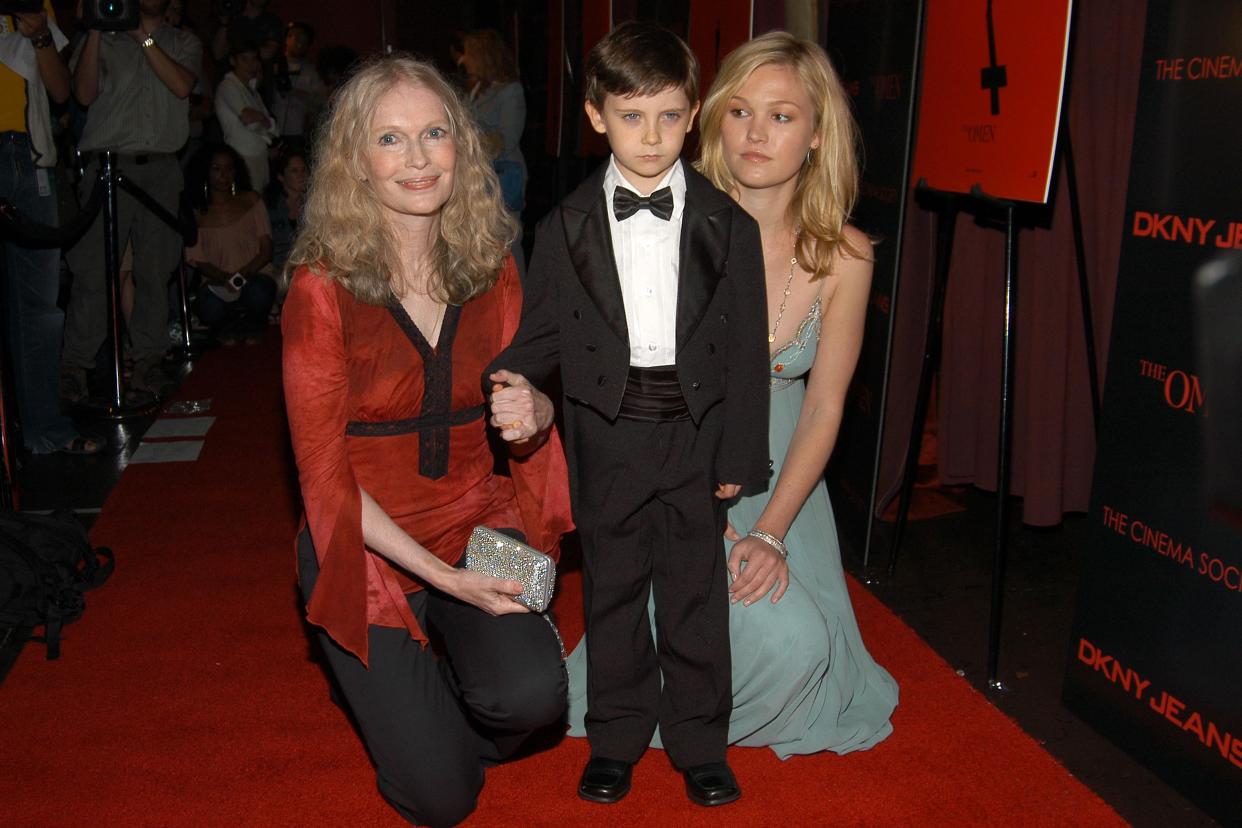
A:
(135, 84)
(31, 68)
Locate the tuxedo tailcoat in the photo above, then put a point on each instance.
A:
(644, 492)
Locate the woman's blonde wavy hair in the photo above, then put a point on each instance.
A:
(828, 180)
(347, 237)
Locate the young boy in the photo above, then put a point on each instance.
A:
(646, 289)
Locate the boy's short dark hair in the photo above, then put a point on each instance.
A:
(640, 58)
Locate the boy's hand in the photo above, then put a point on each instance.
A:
(728, 491)
(519, 410)
(764, 568)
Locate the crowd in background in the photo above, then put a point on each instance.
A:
(213, 120)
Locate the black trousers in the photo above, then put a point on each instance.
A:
(649, 520)
(430, 724)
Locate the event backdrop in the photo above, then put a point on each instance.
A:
(874, 45)
(1154, 652)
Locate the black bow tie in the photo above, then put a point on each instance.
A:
(626, 203)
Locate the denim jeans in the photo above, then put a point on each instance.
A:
(245, 315)
(36, 324)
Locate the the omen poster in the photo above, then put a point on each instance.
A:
(993, 76)
(873, 44)
(1155, 658)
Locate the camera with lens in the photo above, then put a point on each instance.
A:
(110, 15)
(225, 9)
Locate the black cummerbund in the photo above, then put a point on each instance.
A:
(388, 428)
(653, 395)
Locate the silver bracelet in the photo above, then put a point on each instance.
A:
(771, 540)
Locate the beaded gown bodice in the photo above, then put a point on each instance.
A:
(795, 358)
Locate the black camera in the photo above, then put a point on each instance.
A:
(110, 15)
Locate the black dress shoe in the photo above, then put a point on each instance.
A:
(711, 784)
(605, 780)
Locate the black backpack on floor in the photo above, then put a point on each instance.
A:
(46, 563)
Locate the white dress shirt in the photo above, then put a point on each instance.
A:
(648, 254)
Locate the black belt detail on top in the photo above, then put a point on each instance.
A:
(653, 395)
(433, 438)
(389, 428)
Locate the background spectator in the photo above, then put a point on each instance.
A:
(30, 68)
(244, 120)
(136, 86)
(499, 105)
(234, 247)
(305, 93)
(286, 196)
(254, 26)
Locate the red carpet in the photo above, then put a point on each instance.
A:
(185, 695)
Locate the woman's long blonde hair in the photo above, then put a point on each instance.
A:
(347, 237)
(828, 180)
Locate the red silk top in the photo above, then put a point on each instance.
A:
(371, 405)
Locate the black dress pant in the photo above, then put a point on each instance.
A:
(649, 520)
(430, 724)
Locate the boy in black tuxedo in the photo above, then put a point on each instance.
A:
(646, 288)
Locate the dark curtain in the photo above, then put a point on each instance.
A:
(1053, 440)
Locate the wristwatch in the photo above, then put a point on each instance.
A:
(41, 41)
(149, 42)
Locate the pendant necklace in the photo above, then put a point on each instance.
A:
(793, 263)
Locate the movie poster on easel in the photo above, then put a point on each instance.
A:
(992, 81)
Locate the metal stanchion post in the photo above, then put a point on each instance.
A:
(185, 349)
(115, 407)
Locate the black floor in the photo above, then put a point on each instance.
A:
(941, 589)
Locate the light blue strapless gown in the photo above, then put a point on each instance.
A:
(802, 679)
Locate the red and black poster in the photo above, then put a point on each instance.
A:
(993, 76)
(1154, 659)
(874, 46)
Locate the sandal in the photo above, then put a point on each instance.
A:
(81, 445)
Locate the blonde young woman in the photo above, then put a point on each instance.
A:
(777, 135)
(402, 292)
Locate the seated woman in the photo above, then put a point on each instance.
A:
(777, 135)
(402, 293)
(234, 247)
(286, 196)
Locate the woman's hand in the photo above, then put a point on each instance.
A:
(492, 595)
(519, 410)
(764, 569)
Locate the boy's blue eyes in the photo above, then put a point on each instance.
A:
(634, 116)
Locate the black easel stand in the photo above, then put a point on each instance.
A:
(946, 221)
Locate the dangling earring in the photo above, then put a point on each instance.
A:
(206, 194)
(232, 188)
(809, 162)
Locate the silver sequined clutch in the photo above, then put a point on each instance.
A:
(500, 556)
